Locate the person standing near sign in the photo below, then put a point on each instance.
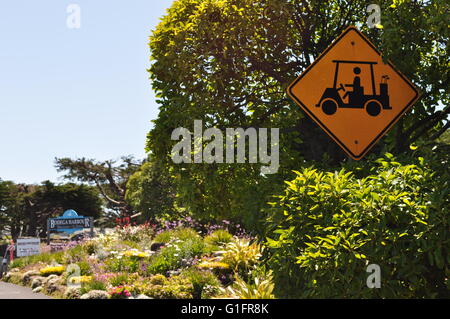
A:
(11, 248)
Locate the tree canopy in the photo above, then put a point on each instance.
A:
(150, 191)
(228, 63)
(24, 209)
(110, 177)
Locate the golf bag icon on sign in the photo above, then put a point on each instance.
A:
(372, 103)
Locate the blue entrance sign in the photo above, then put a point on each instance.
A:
(70, 222)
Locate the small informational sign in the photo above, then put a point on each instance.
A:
(28, 247)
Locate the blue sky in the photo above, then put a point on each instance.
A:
(73, 92)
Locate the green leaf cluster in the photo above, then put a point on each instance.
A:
(328, 227)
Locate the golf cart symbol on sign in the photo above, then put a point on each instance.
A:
(352, 93)
(372, 103)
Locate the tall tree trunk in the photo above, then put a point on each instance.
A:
(32, 227)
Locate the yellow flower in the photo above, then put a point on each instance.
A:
(213, 265)
(80, 279)
(52, 270)
(136, 253)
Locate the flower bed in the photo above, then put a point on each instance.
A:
(175, 261)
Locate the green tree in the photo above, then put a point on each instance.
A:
(110, 177)
(3, 197)
(151, 192)
(415, 36)
(50, 200)
(229, 62)
(24, 209)
(13, 206)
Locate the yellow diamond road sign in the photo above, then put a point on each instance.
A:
(352, 94)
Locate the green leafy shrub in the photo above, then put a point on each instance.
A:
(175, 287)
(92, 285)
(191, 248)
(128, 261)
(122, 279)
(161, 287)
(204, 283)
(18, 263)
(163, 262)
(261, 286)
(219, 237)
(145, 285)
(45, 258)
(178, 233)
(158, 280)
(241, 255)
(135, 233)
(85, 268)
(129, 244)
(175, 255)
(90, 247)
(75, 254)
(328, 227)
(217, 267)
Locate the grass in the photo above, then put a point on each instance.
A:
(179, 233)
(46, 258)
